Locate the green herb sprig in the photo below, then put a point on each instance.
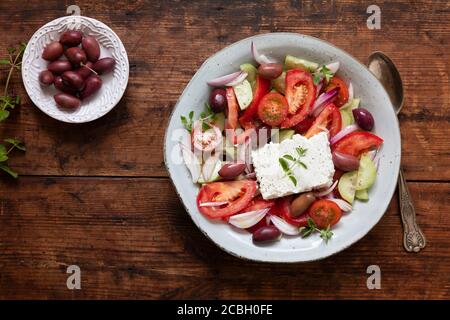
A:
(7, 103)
(295, 161)
(325, 234)
(205, 116)
(321, 73)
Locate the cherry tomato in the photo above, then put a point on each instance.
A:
(329, 118)
(357, 143)
(342, 96)
(325, 213)
(207, 140)
(282, 208)
(304, 125)
(272, 109)
(237, 193)
(262, 87)
(232, 110)
(300, 95)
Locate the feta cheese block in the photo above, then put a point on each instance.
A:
(314, 153)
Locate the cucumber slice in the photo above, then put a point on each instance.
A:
(251, 71)
(229, 151)
(362, 195)
(367, 173)
(347, 118)
(280, 83)
(214, 176)
(244, 94)
(346, 186)
(292, 62)
(219, 121)
(286, 134)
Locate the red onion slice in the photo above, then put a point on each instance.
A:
(247, 219)
(284, 227)
(237, 80)
(344, 205)
(191, 162)
(326, 192)
(347, 130)
(208, 167)
(260, 58)
(323, 100)
(213, 204)
(333, 67)
(222, 81)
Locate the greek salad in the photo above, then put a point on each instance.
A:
(281, 148)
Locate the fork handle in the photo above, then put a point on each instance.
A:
(413, 238)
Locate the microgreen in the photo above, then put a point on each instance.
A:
(8, 102)
(325, 234)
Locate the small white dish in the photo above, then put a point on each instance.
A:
(114, 84)
(353, 226)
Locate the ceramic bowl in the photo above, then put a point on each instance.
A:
(354, 225)
(114, 83)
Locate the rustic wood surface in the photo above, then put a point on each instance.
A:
(87, 196)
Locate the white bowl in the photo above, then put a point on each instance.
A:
(353, 226)
(114, 84)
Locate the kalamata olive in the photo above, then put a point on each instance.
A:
(59, 66)
(86, 70)
(66, 100)
(92, 85)
(302, 203)
(104, 65)
(231, 170)
(71, 38)
(52, 51)
(345, 162)
(363, 118)
(270, 71)
(73, 79)
(266, 233)
(91, 47)
(60, 85)
(76, 56)
(46, 78)
(218, 100)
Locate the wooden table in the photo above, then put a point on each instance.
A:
(98, 196)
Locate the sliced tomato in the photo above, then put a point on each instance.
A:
(258, 203)
(325, 213)
(357, 143)
(232, 110)
(303, 126)
(282, 208)
(300, 95)
(261, 89)
(342, 96)
(273, 109)
(237, 193)
(330, 118)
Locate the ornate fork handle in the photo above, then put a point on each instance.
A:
(413, 238)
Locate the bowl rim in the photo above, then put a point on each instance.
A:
(266, 260)
(125, 55)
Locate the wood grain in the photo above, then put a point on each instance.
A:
(133, 242)
(167, 41)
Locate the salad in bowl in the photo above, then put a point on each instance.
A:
(282, 148)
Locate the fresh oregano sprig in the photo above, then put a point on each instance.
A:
(295, 161)
(325, 234)
(205, 116)
(8, 102)
(321, 73)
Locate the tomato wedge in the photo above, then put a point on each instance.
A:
(357, 143)
(272, 109)
(325, 213)
(343, 94)
(282, 208)
(262, 87)
(258, 203)
(304, 125)
(330, 118)
(300, 95)
(232, 110)
(237, 193)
